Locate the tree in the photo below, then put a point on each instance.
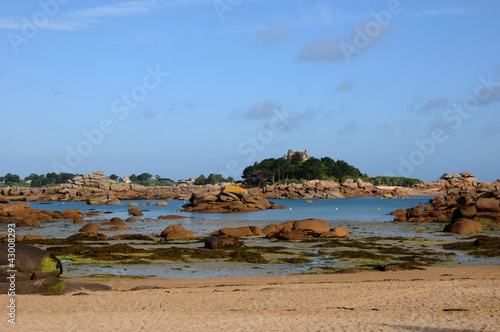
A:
(200, 180)
(113, 177)
(214, 179)
(11, 178)
(133, 178)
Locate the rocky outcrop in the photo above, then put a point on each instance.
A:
(97, 179)
(229, 199)
(477, 204)
(303, 229)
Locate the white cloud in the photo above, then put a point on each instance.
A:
(446, 11)
(83, 18)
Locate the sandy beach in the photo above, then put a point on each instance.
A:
(462, 298)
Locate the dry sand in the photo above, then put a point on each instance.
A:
(464, 298)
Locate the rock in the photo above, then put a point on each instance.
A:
(467, 212)
(78, 220)
(296, 234)
(313, 226)
(221, 242)
(117, 228)
(162, 203)
(488, 205)
(135, 212)
(28, 237)
(132, 204)
(4, 200)
(464, 226)
(236, 232)
(180, 235)
(89, 236)
(336, 232)
(171, 216)
(269, 229)
(115, 221)
(28, 223)
(131, 219)
(91, 227)
(309, 201)
(98, 200)
(177, 232)
(30, 259)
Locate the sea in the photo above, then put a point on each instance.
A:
(364, 217)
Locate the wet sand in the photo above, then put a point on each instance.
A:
(462, 298)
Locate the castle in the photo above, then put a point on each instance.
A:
(289, 155)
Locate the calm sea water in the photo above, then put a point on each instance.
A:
(349, 211)
(362, 216)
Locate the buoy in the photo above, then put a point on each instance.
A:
(379, 208)
(290, 208)
(336, 208)
(178, 210)
(63, 202)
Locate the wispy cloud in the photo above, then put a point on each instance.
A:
(335, 48)
(346, 84)
(67, 21)
(446, 11)
(260, 111)
(350, 128)
(433, 104)
(391, 125)
(491, 129)
(273, 34)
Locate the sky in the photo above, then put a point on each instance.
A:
(179, 88)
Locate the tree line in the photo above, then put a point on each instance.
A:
(296, 169)
(280, 170)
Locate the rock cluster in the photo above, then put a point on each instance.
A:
(229, 199)
(464, 209)
(97, 178)
(290, 230)
(462, 179)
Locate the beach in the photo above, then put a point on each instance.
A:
(460, 298)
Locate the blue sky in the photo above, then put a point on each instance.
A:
(184, 87)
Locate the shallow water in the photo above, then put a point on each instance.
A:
(364, 217)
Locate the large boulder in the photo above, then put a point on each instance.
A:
(90, 227)
(135, 212)
(30, 259)
(311, 226)
(236, 232)
(177, 232)
(488, 204)
(464, 226)
(28, 223)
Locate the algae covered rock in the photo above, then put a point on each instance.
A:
(31, 259)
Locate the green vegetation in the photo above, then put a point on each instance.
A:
(212, 179)
(35, 180)
(146, 179)
(392, 181)
(278, 169)
(296, 170)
